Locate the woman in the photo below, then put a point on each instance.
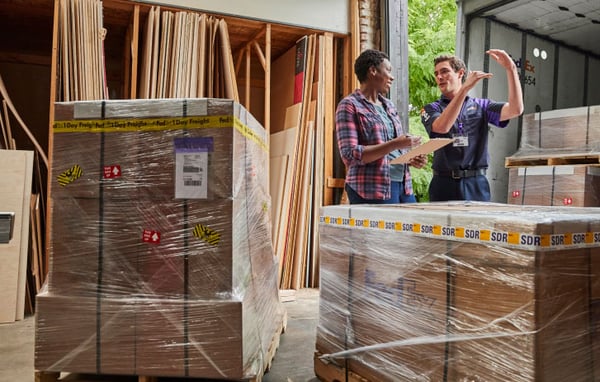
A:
(370, 135)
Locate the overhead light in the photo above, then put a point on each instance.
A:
(536, 52)
(543, 54)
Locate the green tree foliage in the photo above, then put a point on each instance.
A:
(431, 32)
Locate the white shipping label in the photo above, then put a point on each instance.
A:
(191, 167)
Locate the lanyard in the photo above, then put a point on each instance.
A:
(460, 118)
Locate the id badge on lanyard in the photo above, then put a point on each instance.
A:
(461, 139)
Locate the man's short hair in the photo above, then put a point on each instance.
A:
(455, 63)
(365, 60)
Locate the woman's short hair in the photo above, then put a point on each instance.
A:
(366, 60)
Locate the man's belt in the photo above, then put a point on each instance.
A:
(458, 174)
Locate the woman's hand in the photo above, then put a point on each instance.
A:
(407, 141)
(418, 161)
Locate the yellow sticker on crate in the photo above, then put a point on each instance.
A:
(70, 175)
(207, 234)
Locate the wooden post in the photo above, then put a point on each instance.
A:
(267, 123)
(328, 117)
(135, 36)
(354, 45)
(247, 85)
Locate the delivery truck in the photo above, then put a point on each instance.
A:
(554, 44)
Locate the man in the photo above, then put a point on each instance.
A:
(459, 168)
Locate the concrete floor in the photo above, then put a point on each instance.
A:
(293, 361)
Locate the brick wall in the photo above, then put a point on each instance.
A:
(370, 24)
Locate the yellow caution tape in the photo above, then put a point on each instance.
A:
(486, 236)
(158, 124)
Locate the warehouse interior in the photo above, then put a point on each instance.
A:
(345, 301)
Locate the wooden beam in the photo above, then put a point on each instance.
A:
(8, 103)
(259, 53)
(238, 63)
(267, 120)
(335, 182)
(354, 43)
(135, 47)
(328, 115)
(247, 84)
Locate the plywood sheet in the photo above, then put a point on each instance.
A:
(16, 168)
(282, 88)
(282, 145)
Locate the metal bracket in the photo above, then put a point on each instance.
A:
(7, 223)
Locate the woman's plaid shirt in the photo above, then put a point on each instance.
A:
(358, 124)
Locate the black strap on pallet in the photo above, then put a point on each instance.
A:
(100, 257)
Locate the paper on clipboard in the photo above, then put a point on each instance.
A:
(426, 148)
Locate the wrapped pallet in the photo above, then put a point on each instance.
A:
(161, 261)
(459, 292)
(557, 161)
(566, 185)
(572, 128)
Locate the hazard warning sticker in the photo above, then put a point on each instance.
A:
(70, 175)
(207, 234)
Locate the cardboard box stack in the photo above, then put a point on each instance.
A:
(161, 261)
(558, 161)
(460, 292)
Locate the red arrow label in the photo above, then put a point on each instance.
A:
(113, 171)
(150, 236)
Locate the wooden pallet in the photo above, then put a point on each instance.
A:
(328, 371)
(53, 376)
(553, 160)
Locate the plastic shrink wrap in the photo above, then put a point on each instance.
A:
(558, 160)
(161, 261)
(460, 292)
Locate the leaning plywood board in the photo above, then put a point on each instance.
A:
(283, 145)
(16, 168)
(282, 89)
(277, 175)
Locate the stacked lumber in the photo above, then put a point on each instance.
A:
(186, 55)
(558, 162)
(81, 50)
(33, 198)
(297, 154)
(459, 291)
(162, 264)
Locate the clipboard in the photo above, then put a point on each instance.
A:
(426, 148)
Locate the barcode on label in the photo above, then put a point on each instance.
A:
(195, 183)
(193, 169)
